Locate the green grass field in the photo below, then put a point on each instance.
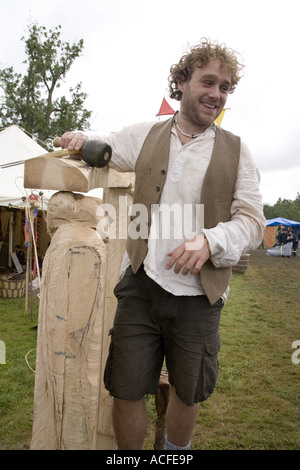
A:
(256, 402)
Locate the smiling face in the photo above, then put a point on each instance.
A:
(204, 96)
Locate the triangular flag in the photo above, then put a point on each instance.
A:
(165, 109)
(220, 117)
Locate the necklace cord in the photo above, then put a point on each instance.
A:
(191, 136)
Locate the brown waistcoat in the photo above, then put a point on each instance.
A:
(216, 195)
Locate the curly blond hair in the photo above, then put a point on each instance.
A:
(199, 56)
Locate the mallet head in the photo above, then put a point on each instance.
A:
(96, 153)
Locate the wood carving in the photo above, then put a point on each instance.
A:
(70, 327)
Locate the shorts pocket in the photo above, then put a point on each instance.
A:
(122, 282)
(210, 367)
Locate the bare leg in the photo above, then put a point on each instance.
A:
(130, 421)
(180, 420)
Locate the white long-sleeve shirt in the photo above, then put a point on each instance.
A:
(187, 167)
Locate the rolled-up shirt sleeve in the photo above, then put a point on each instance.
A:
(244, 231)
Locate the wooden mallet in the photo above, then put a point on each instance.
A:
(95, 153)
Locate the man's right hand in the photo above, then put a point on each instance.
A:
(73, 140)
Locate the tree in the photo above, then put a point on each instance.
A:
(284, 208)
(28, 100)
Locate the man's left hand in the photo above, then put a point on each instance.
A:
(190, 255)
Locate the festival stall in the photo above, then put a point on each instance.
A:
(272, 229)
(22, 214)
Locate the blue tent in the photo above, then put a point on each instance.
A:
(285, 222)
(271, 229)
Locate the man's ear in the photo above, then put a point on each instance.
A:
(181, 85)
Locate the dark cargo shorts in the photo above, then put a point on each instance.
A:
(152, 324)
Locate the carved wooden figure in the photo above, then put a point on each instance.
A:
(70, 327)
(72, 409)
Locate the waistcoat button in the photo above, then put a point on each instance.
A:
(163, 172)
(157, 188)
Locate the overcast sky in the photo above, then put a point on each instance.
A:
(129, 46)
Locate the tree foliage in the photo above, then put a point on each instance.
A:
(29, 100)
(284, 208)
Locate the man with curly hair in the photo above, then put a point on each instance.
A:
(202, 179)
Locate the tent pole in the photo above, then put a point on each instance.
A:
(27, 266)
(31, 221)
(10, 239)
(30, 272)
(27, 279)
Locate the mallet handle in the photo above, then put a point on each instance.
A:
(57, 142)
(63, 152)
(60, 153)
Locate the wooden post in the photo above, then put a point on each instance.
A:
(161, 404)
(115, 252)
(70, 328)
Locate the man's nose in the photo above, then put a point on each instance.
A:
(214, 92)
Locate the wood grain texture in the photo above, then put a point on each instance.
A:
(69, 339)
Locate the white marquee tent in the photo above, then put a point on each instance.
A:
(16, 145)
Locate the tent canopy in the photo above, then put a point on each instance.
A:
(281, 220)
(16, 145)
(272, 229)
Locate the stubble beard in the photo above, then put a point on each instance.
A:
(192, 113)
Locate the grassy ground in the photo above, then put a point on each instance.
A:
(257, 398)
(256, 401)
(16, 379)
